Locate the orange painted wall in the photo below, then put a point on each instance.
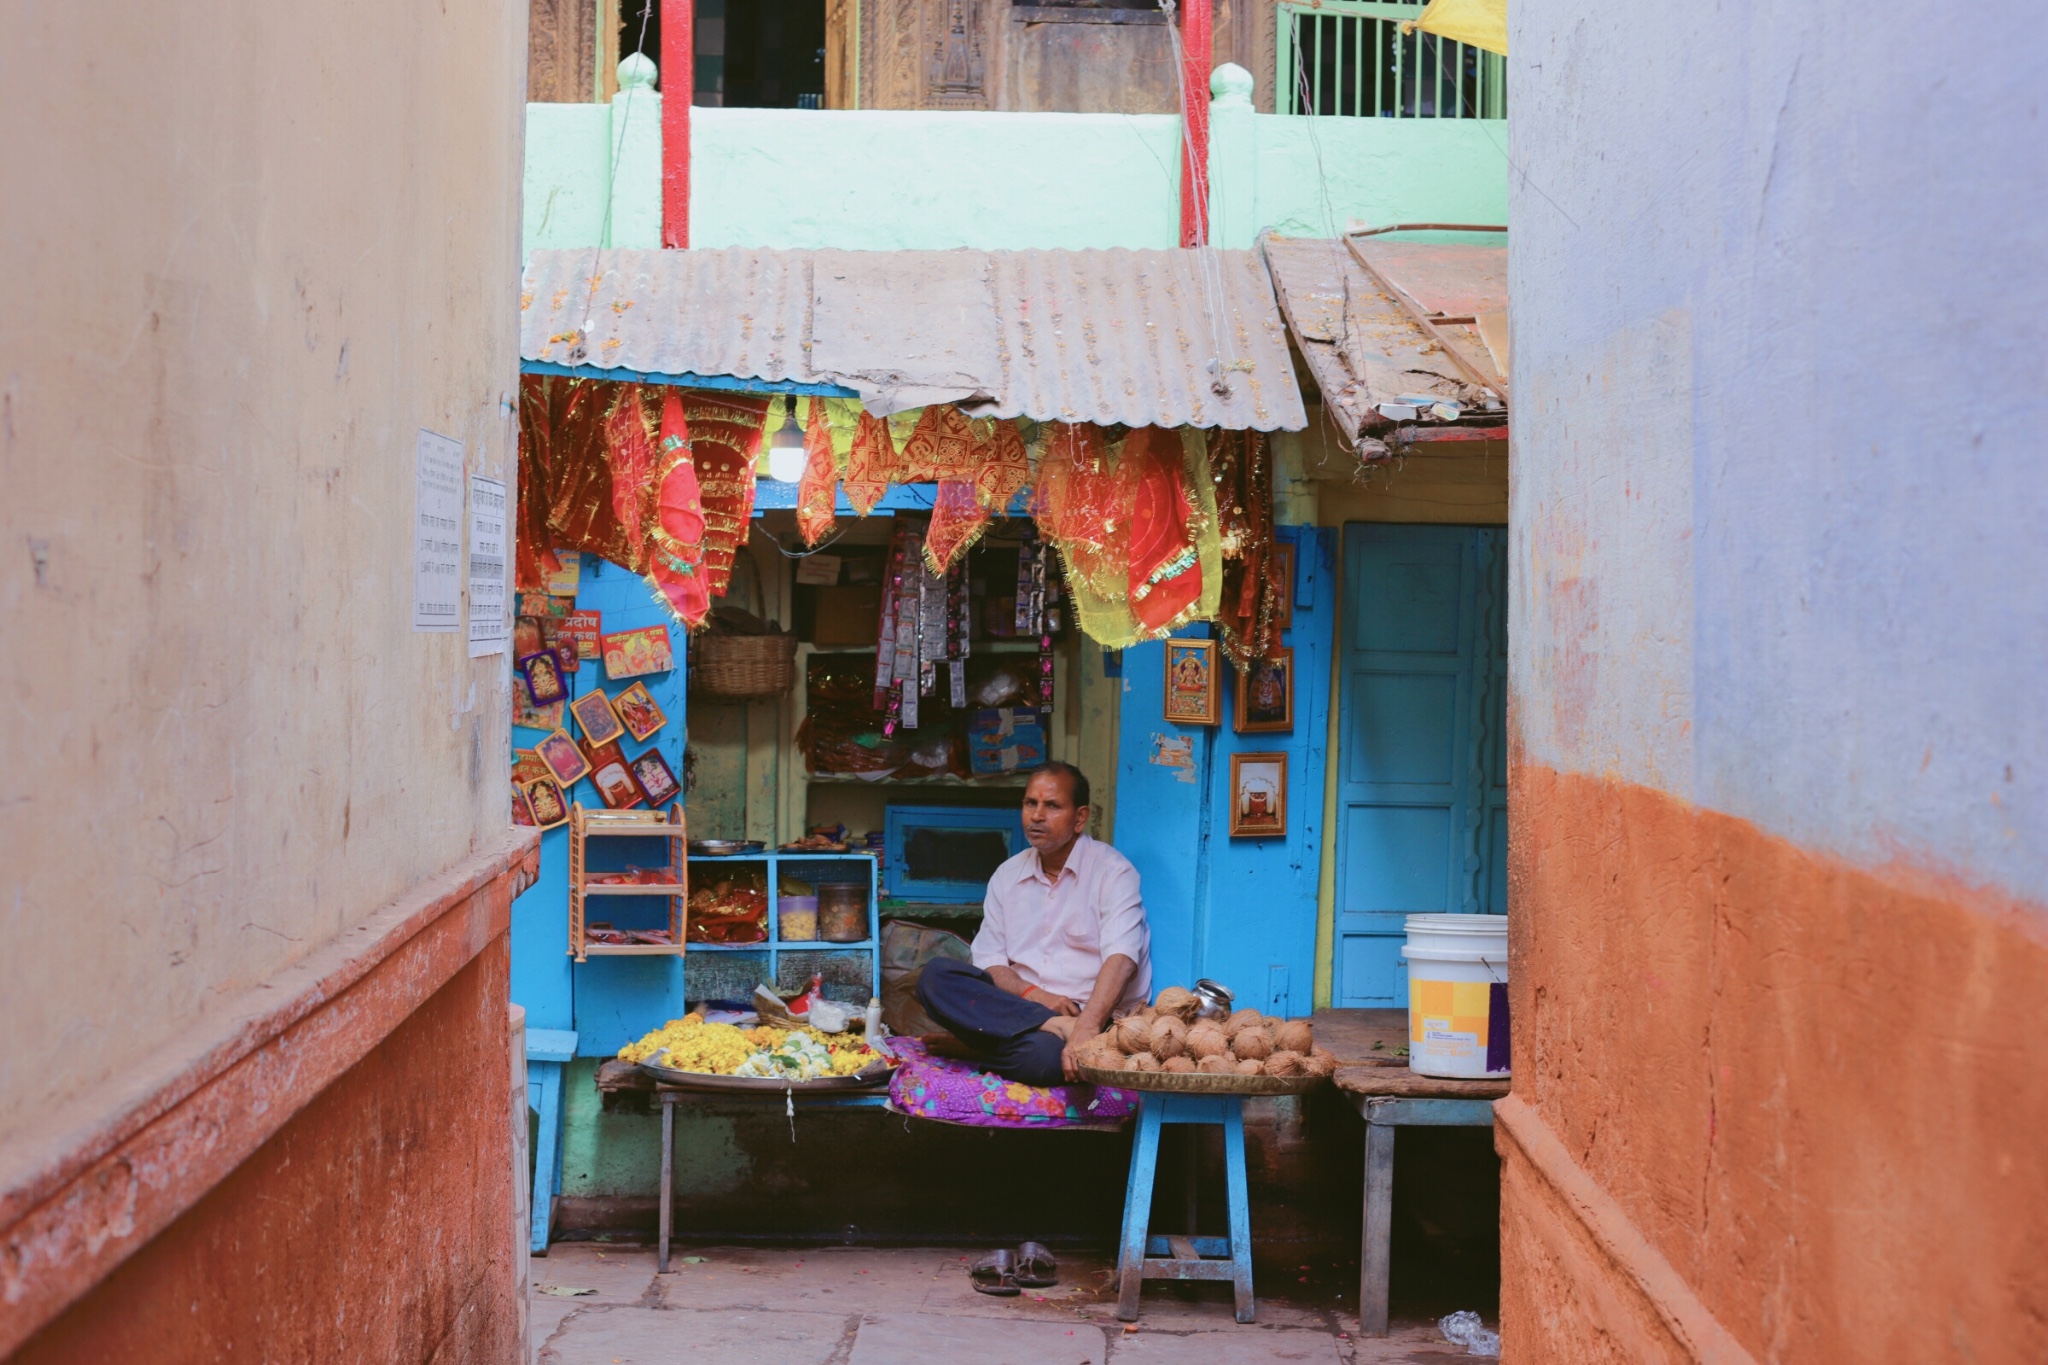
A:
(375, 1226)
(1812, 1088)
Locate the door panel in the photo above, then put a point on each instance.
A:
(1421, 800)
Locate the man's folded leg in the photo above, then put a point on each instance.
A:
(1004, 1029)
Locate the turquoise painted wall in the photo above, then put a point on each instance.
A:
(881, 180)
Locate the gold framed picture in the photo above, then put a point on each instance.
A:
(563, 759)
(1265, 694)
(595, 717)
(544, 799)
(1258, 796)
(639, 712)
(1193, 696)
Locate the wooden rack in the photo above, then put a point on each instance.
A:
(640, 824)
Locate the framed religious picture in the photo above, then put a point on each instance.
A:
(656, 778)
(638, 712)
(595, 717)
(526, 766)
(583, 628)
(543, 673)
(527, 716)
(1283, 578)
(1258, 796)
(633, 653)
(1265, 693)
(1192, 693)
(544, 799)
(615, 783)
(563, 759)
(522, 809)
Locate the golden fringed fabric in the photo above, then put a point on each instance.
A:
(566, 490)
(1241, 470)
(943, 446)
(817, 493)
(630, 450)
(675, 536)
(1131, 517)
(725, 439)
(979, 473)
(870, 463)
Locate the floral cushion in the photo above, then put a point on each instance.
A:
(952, 1091)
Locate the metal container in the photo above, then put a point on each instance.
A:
(1216, 1000)
(842, 912)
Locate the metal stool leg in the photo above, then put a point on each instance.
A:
(1375, 1262)
(1130, 1266)
(668, 1166)
(1240, 1209)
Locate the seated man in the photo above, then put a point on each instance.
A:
(1063, 943)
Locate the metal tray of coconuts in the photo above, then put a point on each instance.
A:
(1190, 1042)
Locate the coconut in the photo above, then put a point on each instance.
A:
(1142, 1061)
(1321, 1062)
(1249, 1067)
(1296, 1035)
(1207, 1039)
(1284, 1064)
(1133, 1033)
(1240, 1021)
(1178, 1001)
(1169, 1037)
(1221, 1064)
(1251, 1044)
(1180, 1063)
(1271, 1021)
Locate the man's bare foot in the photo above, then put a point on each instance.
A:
(1060, 1026)
(945, 1045)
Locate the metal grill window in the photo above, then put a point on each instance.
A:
(1350, 58)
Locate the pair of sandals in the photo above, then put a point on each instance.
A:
(1005, 1273)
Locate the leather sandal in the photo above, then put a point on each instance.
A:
(1036, 1269)
(995, 1274)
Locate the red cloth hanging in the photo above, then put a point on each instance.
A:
(676, 536)
(817, 493)
(1166, 569)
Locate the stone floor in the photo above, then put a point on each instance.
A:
(888, 1306)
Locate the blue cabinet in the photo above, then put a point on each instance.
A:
(945, 854)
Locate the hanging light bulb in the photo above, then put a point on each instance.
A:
(786, 447)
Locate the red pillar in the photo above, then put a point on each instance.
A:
(1196, 56)
(678, 88)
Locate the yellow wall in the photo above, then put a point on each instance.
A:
(1318, 482)
(253, 249)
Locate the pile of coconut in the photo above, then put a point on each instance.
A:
(1167, 1036)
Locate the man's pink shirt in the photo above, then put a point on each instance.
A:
(1057, 935)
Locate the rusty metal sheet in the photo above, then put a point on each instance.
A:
(1365, 349)
(1167, 338)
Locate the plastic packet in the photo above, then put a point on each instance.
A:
(1467, 1329)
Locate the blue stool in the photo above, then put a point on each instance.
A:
(546, 1051)
(1142, 1256)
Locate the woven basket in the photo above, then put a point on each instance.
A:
(742, 667)
(1201, 1082)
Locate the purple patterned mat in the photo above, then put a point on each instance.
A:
(952, 1091)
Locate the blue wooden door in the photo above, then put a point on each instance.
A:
(1421, 804)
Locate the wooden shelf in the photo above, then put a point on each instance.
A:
(632, 889)
(993, 783)
(644, 824)
(634, 949)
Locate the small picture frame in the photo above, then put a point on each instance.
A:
(639, 713)
(1283, 579)
(1193, 696)
(1258, 796)
(544, 799)
(634, 653)
(565, 762)
(522, 808)
(655, 777)
(1265, 694)
(616, 786)
(526, 766)
(595, 717)
(583, 628)
(543, 673)
(527, 716)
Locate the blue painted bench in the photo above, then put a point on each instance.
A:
(1143, 1256)
(547, 1051)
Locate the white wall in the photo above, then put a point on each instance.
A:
(251, 250)
(1781, 370)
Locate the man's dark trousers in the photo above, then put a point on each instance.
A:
(1003, 1029)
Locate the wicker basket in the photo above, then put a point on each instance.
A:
(742, 667)
(1201, 1082)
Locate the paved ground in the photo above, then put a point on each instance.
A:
(868, 1306)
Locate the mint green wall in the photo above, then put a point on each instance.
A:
(888, 180)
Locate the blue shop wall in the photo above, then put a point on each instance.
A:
(1242, 911)
(607, 1000)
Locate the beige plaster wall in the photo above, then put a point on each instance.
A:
(251, 250)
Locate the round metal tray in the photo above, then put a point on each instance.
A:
(725, 848)
(1201, 1083)
(874, 1074)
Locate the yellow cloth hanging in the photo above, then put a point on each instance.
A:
(1482, 23)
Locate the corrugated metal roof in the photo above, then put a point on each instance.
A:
(1365, 349)
(1099, 336)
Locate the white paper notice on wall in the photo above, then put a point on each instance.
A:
(488, 623)
(437, 534)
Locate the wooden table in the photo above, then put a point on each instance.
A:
(1371, 1048)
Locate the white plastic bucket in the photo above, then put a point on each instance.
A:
(1457, 995)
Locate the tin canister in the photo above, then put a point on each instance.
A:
(842, 912)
